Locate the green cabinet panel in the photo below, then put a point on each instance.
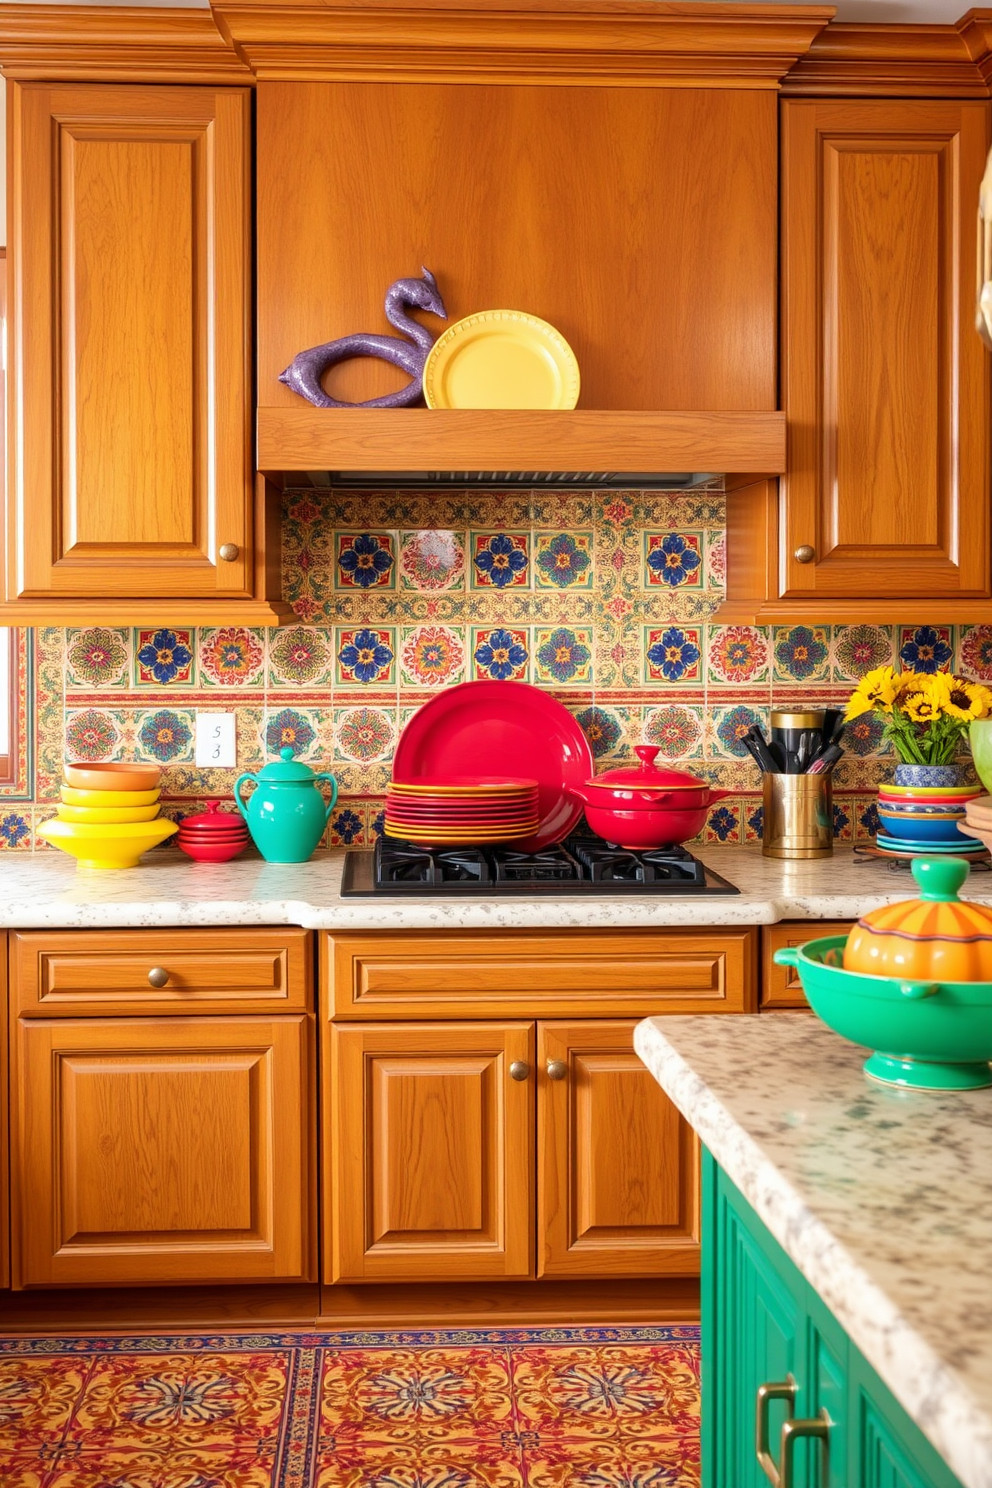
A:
(761, 1321)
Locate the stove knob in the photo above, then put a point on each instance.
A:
(519, 1069)
(557, 1069)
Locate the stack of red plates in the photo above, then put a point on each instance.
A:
(213, 836)
(462, 809)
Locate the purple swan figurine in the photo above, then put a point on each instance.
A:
(305, 371)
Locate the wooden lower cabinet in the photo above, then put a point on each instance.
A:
(617, 1178)
(780, 985)
(430, 1149)
(151, 1150)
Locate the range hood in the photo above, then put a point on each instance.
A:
(552, 480)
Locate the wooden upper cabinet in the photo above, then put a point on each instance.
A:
(428, 1142)
(618, 1167)
(885, 383)
(640, 221)
(130, 348)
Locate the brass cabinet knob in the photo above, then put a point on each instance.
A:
(557, 1069)
(519, 1069)
(804, 553)
(228, 552)
(158, 976)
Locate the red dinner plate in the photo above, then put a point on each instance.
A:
(501, 729)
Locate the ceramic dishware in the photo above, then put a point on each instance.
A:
(980, 739)
(73, 796)
(498, 730)
(921, 828)
(107, 815)
(113, 777)
(646, 806)
(107, 846)
(286, 814)
(501, 359)
(213, 836)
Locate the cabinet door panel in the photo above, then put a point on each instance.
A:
(129, 341)
(165, 1150)
(431, 1142)
(885, 383)
(617, 1165)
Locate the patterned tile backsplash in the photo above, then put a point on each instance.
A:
(606, 599)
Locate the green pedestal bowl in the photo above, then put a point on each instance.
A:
(980, 739)
(927, 1035)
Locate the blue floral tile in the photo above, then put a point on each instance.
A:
(563, 655)
(15, 830)
(843, 830)
(376, 820)
(858, 649)
(500, 560)
(754, 821)
(500, 654)
(365, 560)
(292, 728)
(673, 560)
(802, 653)
(672, 654)
(926, 648)
(165, 735)
(677, 730)
(347, 826)
(865, 736)
(602, 728)
(865, 815)
(724, 824)
(164, 658)
(731, 724)
(563, 560)
(365, 656)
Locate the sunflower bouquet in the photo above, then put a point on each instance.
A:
(924, 715)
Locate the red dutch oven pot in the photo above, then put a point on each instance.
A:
(647, 806)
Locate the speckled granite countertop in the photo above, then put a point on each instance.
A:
(882, 1198)
(45, 889)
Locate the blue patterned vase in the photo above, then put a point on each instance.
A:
(928, 775)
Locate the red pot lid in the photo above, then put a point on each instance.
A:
(648, 776)
(213, 820)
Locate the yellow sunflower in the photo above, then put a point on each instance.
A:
(876, 689)
(925, 705)
(962, 699)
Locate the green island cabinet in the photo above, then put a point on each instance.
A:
(763, 1325)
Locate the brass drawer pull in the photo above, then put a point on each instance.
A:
(519, 1069)
(158, 976)
(819, 1429)
(228, 552)
(774, 1390)
(557, 1069)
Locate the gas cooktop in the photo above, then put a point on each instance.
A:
(581, 865)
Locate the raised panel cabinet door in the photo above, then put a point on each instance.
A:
(430, 1131)
(884, 381)
(129, 342)
(618, 1167)
(162, 1150)
(4, 1127)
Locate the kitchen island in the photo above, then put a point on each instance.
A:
(878, 1203)
(44, 890)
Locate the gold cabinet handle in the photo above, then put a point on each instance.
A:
(228, 552)
(557, 1069)
(158, 976)
(519, 1069)
(804, 553)
(772, 1390)
(819, 1429)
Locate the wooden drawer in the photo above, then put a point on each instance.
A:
(780, 986)
(629, 973)
(79, 973)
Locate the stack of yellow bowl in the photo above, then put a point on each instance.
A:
(109, 815)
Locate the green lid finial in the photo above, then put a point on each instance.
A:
(940, 878)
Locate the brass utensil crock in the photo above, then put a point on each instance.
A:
(799, 816)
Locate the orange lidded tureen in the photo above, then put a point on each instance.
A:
(937, 937)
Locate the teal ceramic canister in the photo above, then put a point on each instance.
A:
(286, 814)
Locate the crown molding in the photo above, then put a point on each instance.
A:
(642, 43)
(115, 44)
(897, 61)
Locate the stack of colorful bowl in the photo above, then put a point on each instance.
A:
(109, 815)
(213, 836)
(466, 810)
(925, 819)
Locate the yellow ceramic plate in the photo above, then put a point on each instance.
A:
(96, 816)
(73, 796)
(501, 359)
(107, 846)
